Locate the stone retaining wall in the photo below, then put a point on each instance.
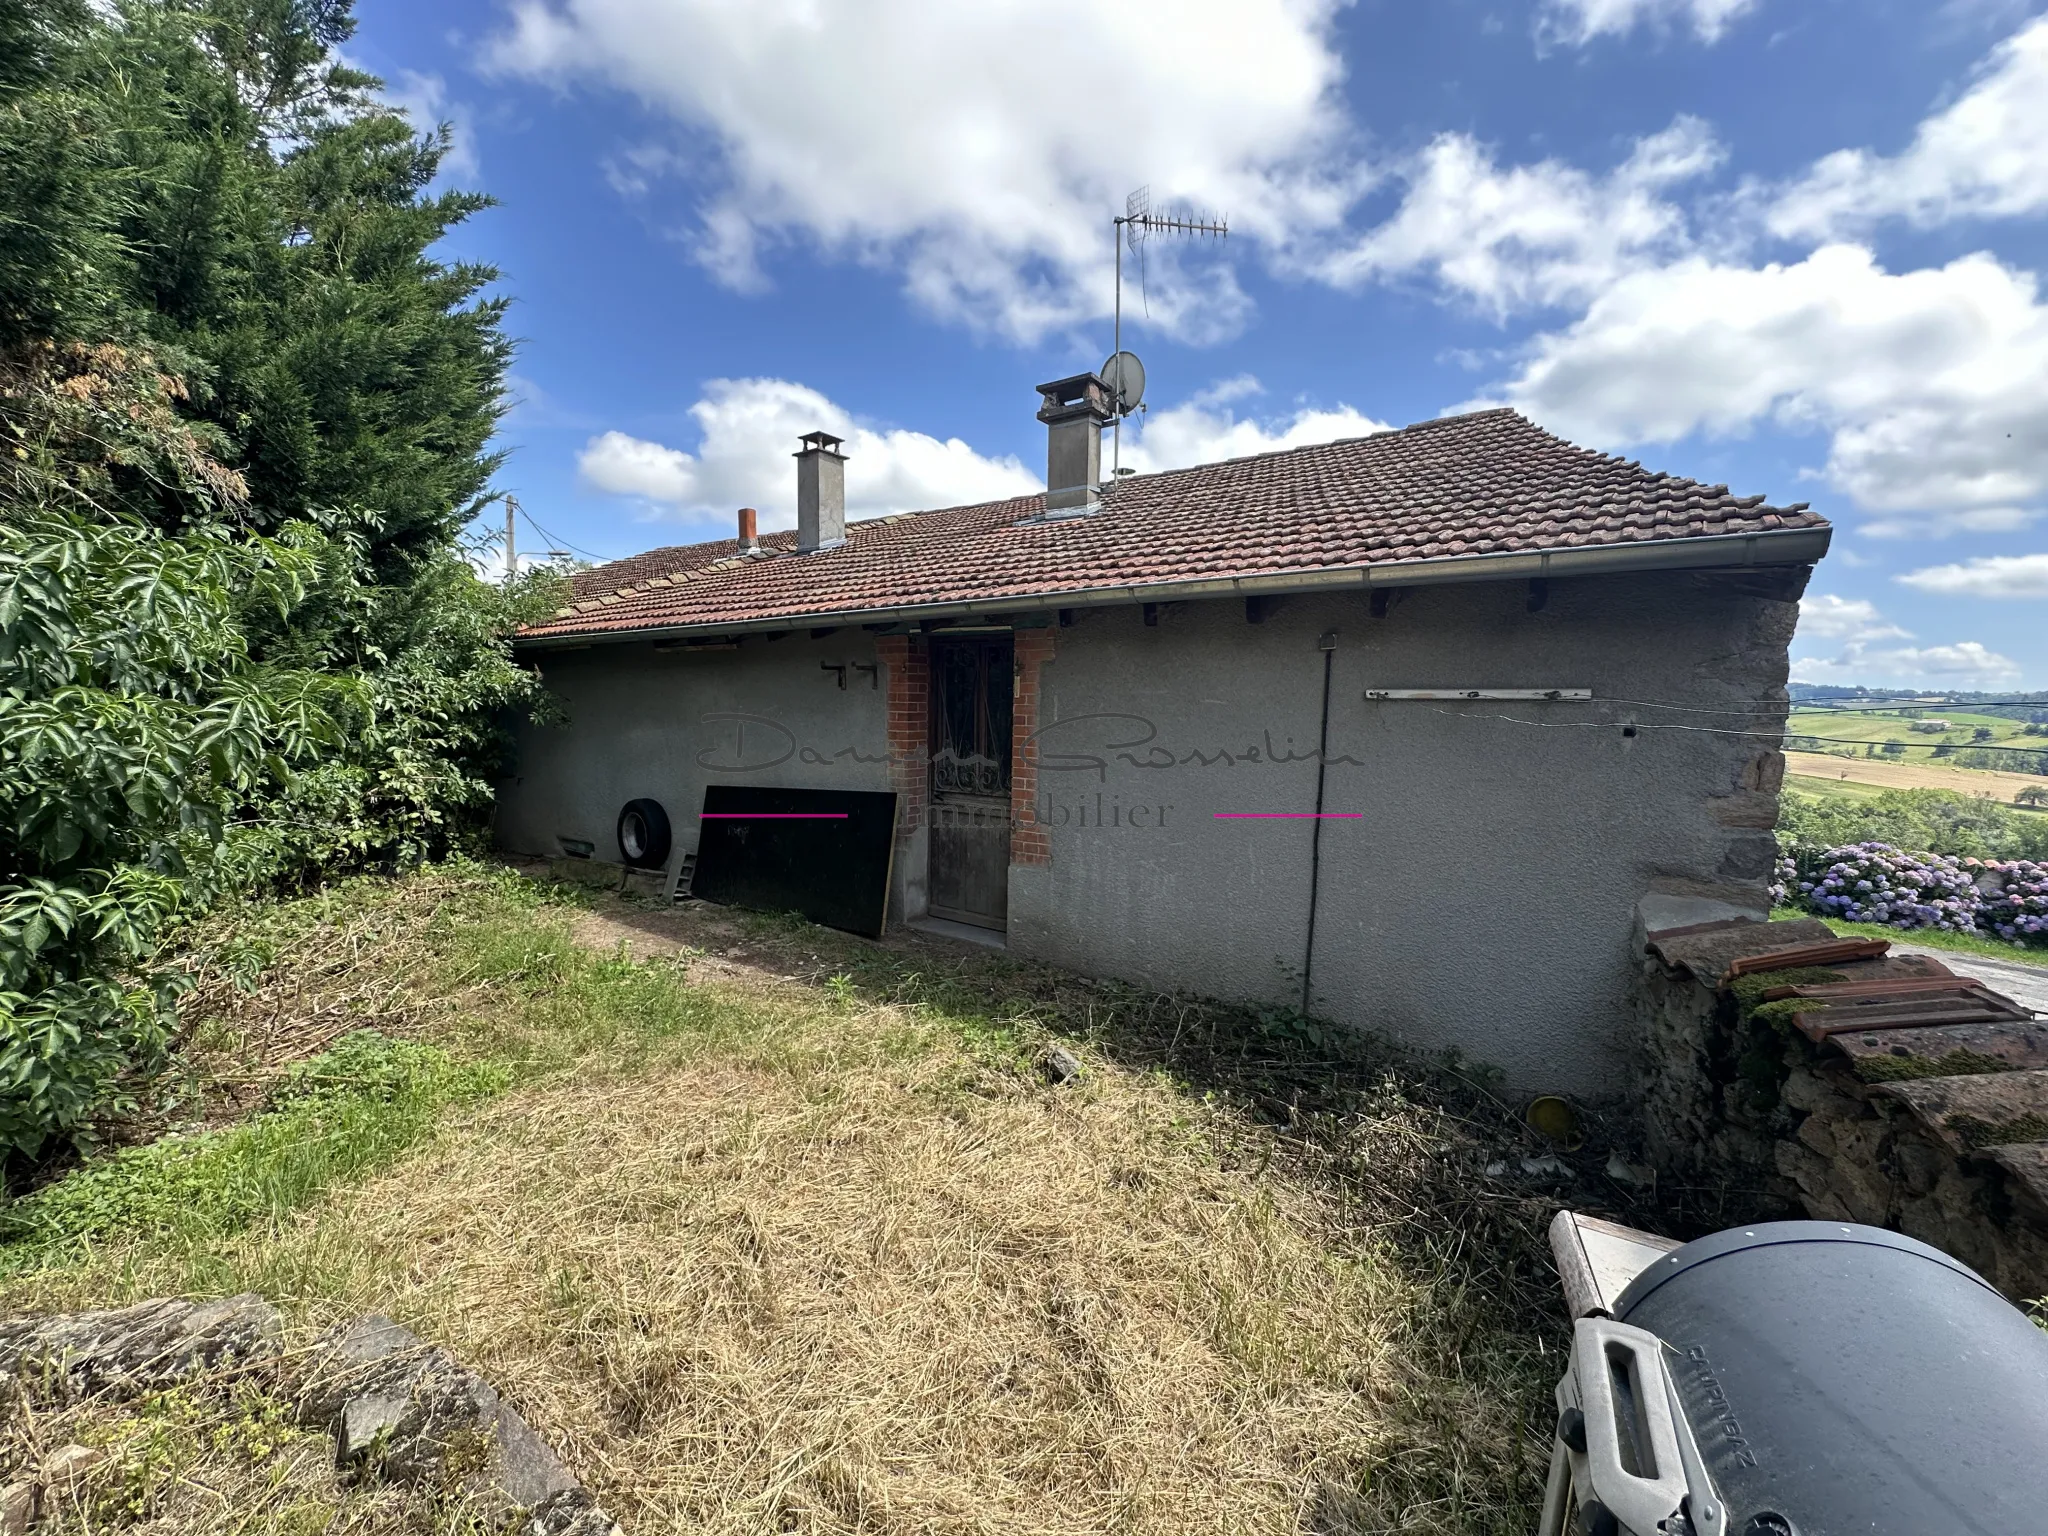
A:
(1937, 1131)
(399, 1409)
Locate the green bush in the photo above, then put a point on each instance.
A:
(244, 417)
(1932, 820)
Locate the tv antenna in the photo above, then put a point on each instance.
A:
(1123, 373)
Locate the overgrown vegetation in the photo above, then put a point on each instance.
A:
(780, 1230)
(346, 1112)
(244, 416)
(1924, 820)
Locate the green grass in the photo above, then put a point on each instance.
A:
(569, 1135)
(346, 1113)
(540, 1008)
(1927, 938)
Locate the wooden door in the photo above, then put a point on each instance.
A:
(969, 877)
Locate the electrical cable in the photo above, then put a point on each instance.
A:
(1716, 730)
(560, 543)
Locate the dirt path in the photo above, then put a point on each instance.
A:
(1923, 775)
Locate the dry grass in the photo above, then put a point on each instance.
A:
(838, 1259)
(1922, 774)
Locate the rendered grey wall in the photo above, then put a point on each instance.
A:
(665, 724)
(1484, 896)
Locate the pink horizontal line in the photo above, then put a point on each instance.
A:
(773, 815)
(1290, 815)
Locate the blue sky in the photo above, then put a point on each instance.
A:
(1790, 245)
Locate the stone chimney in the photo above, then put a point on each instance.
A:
(1074, 412)
(820, 493)
(750, 541)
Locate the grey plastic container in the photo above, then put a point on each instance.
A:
(1843, 1379)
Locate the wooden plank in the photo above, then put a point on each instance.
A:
(1597, 1259)
(825, 853)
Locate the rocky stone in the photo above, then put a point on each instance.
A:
(1919, 1166)
(399, 1408)
(571, 1512)
(1062, 1065)
(140, 1348)
(69, 1463)
(412, 1414)
(20, 1503)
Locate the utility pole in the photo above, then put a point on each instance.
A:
(511, 541)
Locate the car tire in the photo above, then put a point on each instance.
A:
(644, 838)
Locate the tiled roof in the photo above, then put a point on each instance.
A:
(1490, 482)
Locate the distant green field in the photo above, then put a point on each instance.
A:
(1892, 725)
(1903, 736)
(1832, 789)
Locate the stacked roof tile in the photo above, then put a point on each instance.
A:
(1484, 483)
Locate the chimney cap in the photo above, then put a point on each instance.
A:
(821, 442)
(1082, 395)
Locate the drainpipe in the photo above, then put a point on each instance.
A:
(1327, 644)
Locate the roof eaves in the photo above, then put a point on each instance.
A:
(1774, 546)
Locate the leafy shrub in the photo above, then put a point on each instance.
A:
(1938, 820)
(134, 721)
(244, 415)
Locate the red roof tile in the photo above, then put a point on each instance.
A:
(1490, 482)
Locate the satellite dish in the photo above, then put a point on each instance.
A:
(1125, 376)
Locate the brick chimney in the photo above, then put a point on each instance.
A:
(750, 542)
(820, 493)
(1074, 412)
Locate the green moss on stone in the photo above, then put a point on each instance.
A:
(1778, 1015)
(1974, 1133)
(1749, 990)
(1899, 1069)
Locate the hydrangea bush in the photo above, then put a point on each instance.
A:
(1877, 883)
(2019, 911)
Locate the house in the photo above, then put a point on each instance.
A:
(1410, 732)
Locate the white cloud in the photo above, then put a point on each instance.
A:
(747, 430)
(2007, 576)
(1857, 626)
(1959, 665)
(1984, 156)
(1823, 616)
(1580, 21)
(1541, 234)
(1205, 429)
(1927, 382)
(981, 148)
(423, 98)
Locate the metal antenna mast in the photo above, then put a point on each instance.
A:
(1133, 226)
